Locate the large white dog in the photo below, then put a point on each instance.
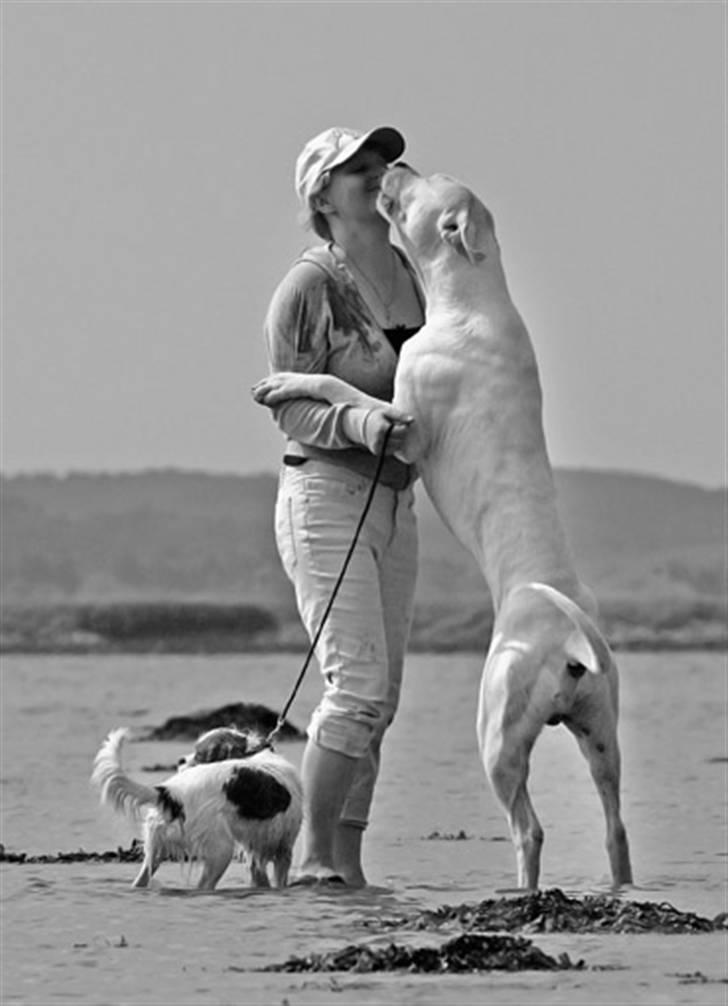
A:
(470, 381)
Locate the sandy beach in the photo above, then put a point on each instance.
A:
(76, 932)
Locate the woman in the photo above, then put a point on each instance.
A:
(345, 308)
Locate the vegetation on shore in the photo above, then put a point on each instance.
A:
(630, 623)
(171, 561)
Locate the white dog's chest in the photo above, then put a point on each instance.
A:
(479, 446)
(475, 395)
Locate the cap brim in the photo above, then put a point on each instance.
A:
(387, 140)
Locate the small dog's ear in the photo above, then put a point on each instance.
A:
(235, 748)
(209, 753)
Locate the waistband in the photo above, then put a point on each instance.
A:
(395, 474)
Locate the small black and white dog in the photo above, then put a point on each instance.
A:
(222, 799)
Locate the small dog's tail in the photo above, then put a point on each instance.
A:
(118, 790)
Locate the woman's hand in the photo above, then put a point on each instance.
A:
(280, 386)
(378, 422)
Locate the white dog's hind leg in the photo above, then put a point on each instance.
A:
(597, 738)
(506, 737)
(505, 760)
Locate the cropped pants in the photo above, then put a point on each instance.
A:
(361, 649)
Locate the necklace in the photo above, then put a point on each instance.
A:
(386, 300)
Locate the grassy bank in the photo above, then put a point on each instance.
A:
(189, 627)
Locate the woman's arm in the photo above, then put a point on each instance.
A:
(308, 404)
(283, 385)
(377, 415)
(296, 332)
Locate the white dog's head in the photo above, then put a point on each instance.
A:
(221, 744)
(436, 216)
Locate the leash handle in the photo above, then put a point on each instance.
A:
(268, 742)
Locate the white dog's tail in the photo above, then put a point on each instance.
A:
(118, 790)
(586, 645)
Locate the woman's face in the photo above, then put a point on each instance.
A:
(354, 185)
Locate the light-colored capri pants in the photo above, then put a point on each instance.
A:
(361, 649)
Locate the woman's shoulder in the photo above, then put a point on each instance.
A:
(311, 269)
(305, 288)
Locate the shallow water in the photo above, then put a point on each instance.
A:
(77, 933)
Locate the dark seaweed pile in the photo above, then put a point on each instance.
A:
(134, 854)
(243, 715)
(541, 912)
(553, 911)
(466, 953)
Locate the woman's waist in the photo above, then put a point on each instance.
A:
(395, 474)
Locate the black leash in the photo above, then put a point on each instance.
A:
(268, 742)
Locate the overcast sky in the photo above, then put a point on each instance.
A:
(148, 211)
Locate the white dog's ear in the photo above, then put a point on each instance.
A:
(459, 228)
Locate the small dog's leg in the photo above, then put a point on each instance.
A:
(281, 868)
(152, 857)
(258, 873)
(596, 735)
(212, 871)
(145, 875)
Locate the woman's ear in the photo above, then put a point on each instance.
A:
(320, 204)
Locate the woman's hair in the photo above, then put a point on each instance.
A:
(314, 219)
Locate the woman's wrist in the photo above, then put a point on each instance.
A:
(354, 423)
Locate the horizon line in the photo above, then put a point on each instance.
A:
(272, 473)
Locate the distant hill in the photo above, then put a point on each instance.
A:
(152, 535)
(626, 531)
(190, 536)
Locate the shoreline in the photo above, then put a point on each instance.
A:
(224, 647)
(137, 627)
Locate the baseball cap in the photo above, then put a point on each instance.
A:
(335, 146)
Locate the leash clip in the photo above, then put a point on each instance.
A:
(263, 746)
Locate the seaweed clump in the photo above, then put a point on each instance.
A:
(134, 854)
(554, 912)
(469, 952)
(243, 715)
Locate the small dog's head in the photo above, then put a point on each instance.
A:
(221, 744)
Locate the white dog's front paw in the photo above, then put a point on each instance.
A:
(412, 449)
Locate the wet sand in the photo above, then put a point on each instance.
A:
(77, 933)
